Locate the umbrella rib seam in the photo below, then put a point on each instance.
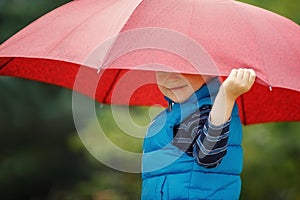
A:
(111, 86)
(6, 63)
(82, 22)
(254, 38)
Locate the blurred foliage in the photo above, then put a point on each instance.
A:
(271, 161)
(43, 157)
(287, 8)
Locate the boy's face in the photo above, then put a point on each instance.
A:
(178, 87)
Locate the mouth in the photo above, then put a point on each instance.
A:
(174, 89)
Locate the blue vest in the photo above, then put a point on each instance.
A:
(169, 173)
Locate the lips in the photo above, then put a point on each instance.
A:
(177, 88)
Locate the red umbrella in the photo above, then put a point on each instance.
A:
(127, 40)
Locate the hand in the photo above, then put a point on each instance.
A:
(238, 82)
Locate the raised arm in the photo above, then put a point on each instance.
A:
(211, 145)
(238, 82)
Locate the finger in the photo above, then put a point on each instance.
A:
(240, 74)
(247, 74)
(252, 76)
(233, 73)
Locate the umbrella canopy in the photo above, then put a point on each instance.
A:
(126, 41)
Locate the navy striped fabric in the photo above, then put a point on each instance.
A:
(202, 140)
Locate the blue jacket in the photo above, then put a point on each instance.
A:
(169, 173)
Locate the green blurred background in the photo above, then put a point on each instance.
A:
(42, 157)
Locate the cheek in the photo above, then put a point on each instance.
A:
(162, 89)
(167, 93)
(160, 77)
(158, 81)
(196, 83)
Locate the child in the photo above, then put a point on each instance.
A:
(192, 150)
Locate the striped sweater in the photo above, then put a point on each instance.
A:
(197, 137)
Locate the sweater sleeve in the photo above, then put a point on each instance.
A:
(211, 144)
(202, 140)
